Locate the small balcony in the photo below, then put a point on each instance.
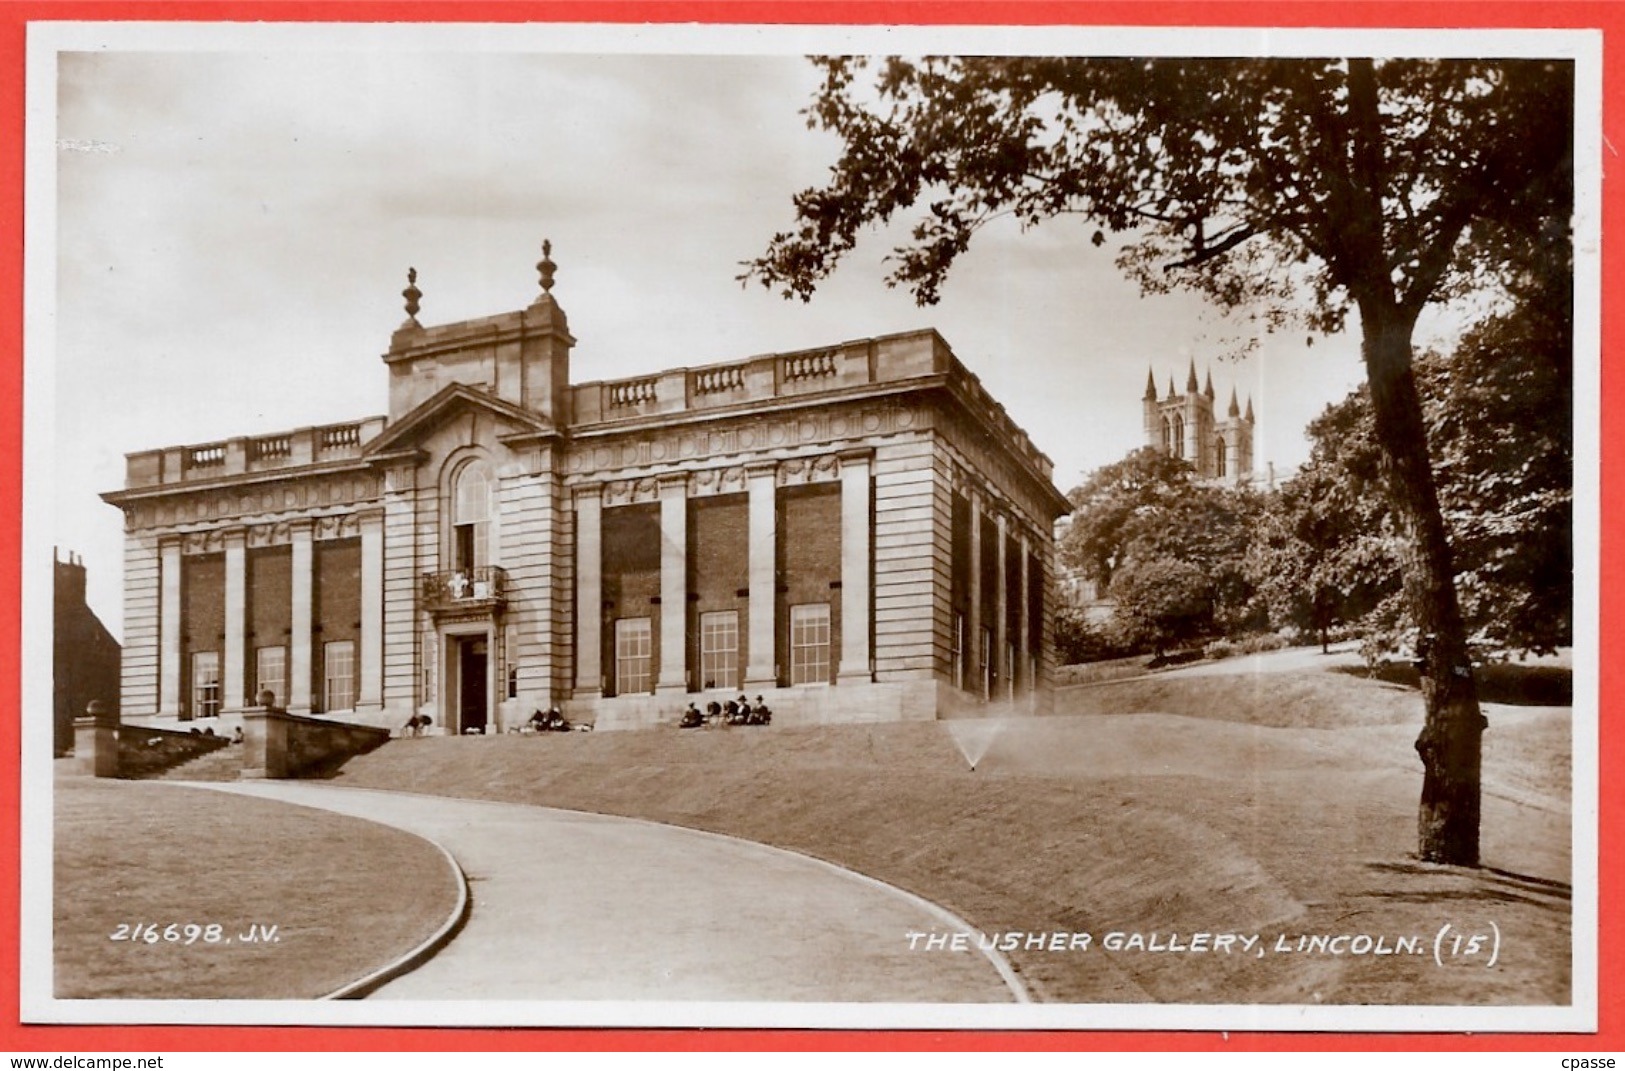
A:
(465, 591)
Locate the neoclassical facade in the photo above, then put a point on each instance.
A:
(856, 532)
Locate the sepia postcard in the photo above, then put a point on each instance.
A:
(836, 527)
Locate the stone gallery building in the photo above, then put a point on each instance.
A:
(857, 532)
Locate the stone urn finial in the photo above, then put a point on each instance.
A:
(545, 267)
(411, 294)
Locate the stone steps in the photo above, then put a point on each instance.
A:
(224, 764)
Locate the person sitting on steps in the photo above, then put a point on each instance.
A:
(692, 718)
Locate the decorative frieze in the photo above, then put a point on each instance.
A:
(269, 535)
(800, 470)
(728, 481)
(272, 533)
(698, 443)
(625, 492)
(233, 503)
(210, 541)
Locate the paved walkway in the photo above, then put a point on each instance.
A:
(571, 906)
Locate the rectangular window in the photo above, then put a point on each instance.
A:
(809, 643)
(206, 684)
(338, 661)
(719, 649)
(271, 674)
(987, 663)
(634, 648)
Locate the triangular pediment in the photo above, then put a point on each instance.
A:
(449, 403)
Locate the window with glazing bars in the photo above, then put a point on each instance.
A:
(338, 660)
(719, 649)
(205, 684)
(271, 674)
(634, 647)
(809, 643)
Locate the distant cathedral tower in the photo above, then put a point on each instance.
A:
(1182, 426)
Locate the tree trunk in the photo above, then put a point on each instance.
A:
(1450, 743)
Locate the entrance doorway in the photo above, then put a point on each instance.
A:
(473, 692)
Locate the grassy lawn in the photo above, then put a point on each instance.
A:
(133, 853)
(1278, 806)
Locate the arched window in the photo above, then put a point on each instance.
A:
(1179, 437)
(1167, 437)
(471, 517)
(1218, 456)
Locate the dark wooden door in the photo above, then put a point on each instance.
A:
(474, 696)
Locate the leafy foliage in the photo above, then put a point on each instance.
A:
(1497, 409)
(1162, 602)
(1149, 509)
(1235, 178)
(1323, 552)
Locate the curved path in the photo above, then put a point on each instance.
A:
(573, 906)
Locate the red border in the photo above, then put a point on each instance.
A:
(14, 16)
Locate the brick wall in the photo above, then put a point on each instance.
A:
(718, 571)
(631, 579)
(336, 607)
(270, 612)
(203, 616)
(809, 563)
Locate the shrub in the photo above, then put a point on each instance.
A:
(1264, 641)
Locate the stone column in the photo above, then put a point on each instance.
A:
(856, 525)
(1021, 678)
(761, 668)
(370, 687)
(589, 504)
(302, 564)
(169, 627)
(973, 612)
(673, 676)
(232, 660)
(1001, 611)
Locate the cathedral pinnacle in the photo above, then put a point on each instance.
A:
(1190, 380)
(1150, 385)
(1249, 409)
(1234, 410)
(1208, 389)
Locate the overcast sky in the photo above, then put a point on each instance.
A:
(234, 231)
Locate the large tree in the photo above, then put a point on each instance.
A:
(1305, 187)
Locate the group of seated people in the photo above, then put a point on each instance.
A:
(236, 734)
(550, 721)
(734, 712)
